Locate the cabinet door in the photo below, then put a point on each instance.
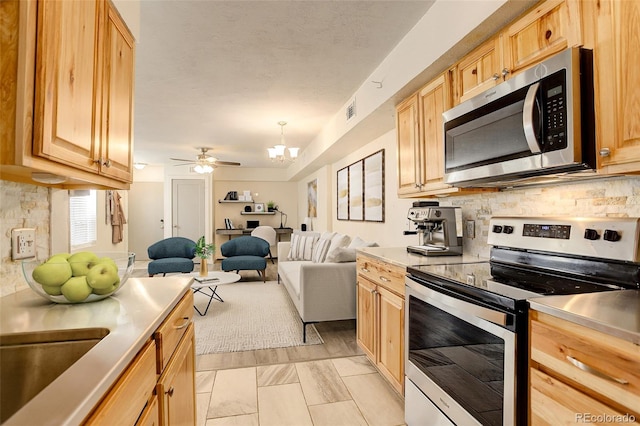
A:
(434, 100)
(176, 387)
(617, 78)
(478, 71)
(151, 414)
(366, 320)
(407, 134)
(549, 28)
(67, 76)
(117, 128)
(391, 320)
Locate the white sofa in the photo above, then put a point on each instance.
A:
(320, 291)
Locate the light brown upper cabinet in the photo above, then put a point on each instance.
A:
(478, 71)
(73, 86)
(420, 141)
(550, 27)
(614, 39)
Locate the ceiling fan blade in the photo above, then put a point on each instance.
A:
(182, 159)
(183, 164)
(227, 163)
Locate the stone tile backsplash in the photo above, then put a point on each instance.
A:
(613, 197)
(21, 206)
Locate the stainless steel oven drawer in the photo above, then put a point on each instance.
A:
(419, 410)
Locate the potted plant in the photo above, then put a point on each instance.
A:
(271, 206)
(203, 251)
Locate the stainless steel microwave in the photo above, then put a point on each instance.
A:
(538, 123)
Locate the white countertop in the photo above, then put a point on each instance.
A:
(400, 257)
(131, 316)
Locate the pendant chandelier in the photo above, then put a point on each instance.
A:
(277, 153)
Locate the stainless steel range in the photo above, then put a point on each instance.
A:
(466, 338)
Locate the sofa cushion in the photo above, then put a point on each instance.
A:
(302, 246)
(244, 263)
(290, 271)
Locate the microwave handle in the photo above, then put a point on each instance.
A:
(527, 118)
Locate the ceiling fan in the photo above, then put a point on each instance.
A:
(204, 162)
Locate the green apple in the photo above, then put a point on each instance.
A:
(57, 256)
(103, 275)
(103, 291)
(107, 260)
(81, 262)
(53, 290)
(53, 273)
(76, 289)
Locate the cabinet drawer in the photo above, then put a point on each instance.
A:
(605, 366)
(382, 273)
(128, 397)
(172, 329)
(555, 403)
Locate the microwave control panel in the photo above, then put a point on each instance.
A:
(554, 111)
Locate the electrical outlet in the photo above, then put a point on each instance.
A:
(471, 229)
(23, 243)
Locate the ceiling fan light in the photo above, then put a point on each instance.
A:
(139, 166)
(293, 152)
(203, 168)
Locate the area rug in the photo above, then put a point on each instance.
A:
(254, 315)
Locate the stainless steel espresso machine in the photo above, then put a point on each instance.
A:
(439, 230)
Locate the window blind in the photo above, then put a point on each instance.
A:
(82, 218)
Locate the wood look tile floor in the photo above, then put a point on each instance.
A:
(331, 384)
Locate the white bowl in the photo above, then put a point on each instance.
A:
(59, 269)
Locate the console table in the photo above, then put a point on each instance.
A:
(238, 232)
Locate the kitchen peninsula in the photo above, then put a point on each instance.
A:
(142, 345)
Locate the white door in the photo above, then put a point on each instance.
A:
(145, 221)
(188, 208)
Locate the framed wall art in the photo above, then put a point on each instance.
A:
(360, 189)
(374, 187)
(356, 211)
(312, 198)
(343, 194)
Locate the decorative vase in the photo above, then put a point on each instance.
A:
(204, 268)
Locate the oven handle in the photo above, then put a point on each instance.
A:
(495, 317)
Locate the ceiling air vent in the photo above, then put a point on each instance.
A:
(351, 110)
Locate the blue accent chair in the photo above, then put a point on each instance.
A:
(245, 253)
(174, 254)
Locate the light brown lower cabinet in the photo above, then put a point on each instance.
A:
(158, 386)
(151, 414)
(581, 376)
(176, 387)
(380, 317)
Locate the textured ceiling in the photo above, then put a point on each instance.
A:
(221, 74)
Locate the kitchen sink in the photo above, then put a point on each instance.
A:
(29, 362)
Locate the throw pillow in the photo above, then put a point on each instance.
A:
(320, 250)
(341, 254)
(302, 246)
(358, 242)
(338, 241)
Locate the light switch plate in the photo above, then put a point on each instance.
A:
(23, 243)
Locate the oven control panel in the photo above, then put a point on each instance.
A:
(606, 238)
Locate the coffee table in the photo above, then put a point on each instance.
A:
(211, 282)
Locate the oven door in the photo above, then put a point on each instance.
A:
(461, 356)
